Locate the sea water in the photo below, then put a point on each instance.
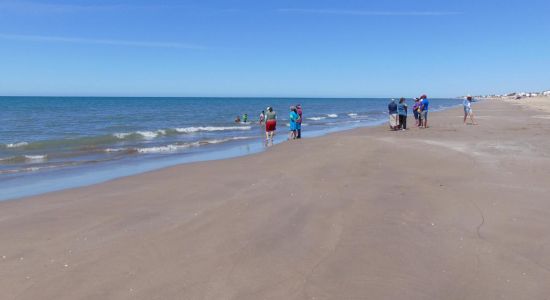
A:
(53, 143)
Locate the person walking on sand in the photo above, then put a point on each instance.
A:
(293, 119)
(415, 111)
(424, 107)
(402, 108)
(270, 124)
(468, 112)
(299, 122)
(392, 110)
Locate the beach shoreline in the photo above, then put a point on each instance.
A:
(37, 182)
(452, 211)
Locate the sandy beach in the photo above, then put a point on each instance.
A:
(450, 212)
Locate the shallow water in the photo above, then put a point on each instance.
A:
(52, 143)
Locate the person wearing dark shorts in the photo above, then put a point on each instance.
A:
(299, 122)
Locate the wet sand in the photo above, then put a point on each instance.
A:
(450, 212)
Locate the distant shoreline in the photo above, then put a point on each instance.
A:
(35, 167)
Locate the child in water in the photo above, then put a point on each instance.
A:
(262, 117)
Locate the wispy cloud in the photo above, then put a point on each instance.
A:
(53, 7)
(35, 7)
(364, 12)
(44, 7)
(107, 42)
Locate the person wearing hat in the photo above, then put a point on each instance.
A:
(299, 122)
(468, 110)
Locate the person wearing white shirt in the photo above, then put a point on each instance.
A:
(468, 110)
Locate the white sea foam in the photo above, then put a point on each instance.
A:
(150, 134)
(161, 149)
(352, 115)
(332, 115)
(211, 128)
(174, 148)
(36, 158)
(226, 140)
(115, 149)
(17, 145)
(122, 135)
(144, 134)
(316, 118)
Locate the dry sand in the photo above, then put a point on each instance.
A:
(533, 103)
(450, 212)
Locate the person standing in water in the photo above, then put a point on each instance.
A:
(299, 122)
(270, 124)
(402, 111)
(468, 112)
(262, 117)
(245, 118)
(293, 119)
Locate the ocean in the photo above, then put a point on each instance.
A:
(54, 143)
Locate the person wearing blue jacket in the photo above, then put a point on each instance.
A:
(294, 119)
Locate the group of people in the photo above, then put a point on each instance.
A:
(398, 112)
(269, 120)
(243, 120)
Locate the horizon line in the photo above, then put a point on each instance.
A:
(270, 97)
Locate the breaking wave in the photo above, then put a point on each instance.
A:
(316, 118)
(173, 147)
(211, 128)
(17, 145)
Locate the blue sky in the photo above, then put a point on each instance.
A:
(322, 48)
